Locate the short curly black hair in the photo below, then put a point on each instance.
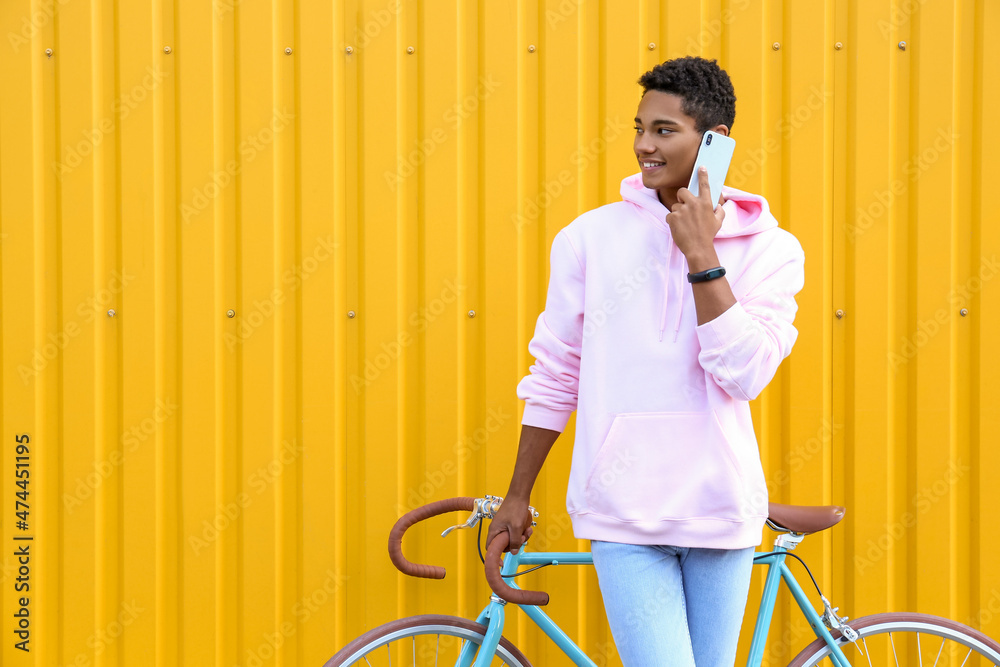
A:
(705, 89)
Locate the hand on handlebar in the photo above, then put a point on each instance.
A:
(515, 518)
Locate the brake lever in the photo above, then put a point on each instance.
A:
(484, 509)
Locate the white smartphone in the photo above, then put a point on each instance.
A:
(715, 152)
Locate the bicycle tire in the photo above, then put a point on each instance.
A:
(885, 636)
(373, 647)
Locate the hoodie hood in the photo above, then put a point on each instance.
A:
(746, 214)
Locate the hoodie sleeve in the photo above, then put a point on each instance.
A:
(742, 348)
(550, 390)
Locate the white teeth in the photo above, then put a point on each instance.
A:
(652, 164)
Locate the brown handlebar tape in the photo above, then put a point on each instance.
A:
(412, 517)
(499, 586)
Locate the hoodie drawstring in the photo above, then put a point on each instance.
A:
(666, 296)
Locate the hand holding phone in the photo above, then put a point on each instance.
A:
(715, 153)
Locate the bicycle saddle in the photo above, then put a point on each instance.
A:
(803, 518)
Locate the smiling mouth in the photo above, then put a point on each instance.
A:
(646, 165)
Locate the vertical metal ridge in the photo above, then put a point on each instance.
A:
(286, 519)
(462, 261)
(398, 445)
(118, 509)
(955, 264)
(101, 403)
(908, 316)
(226, 613)
(297, 478)
(339, 330)
(166, 476)
(976, 513)
(44, 283)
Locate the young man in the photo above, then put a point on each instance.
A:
(660, 356)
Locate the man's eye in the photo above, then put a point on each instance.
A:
(638, 129)
(665, 129)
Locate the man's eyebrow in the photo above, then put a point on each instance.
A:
(660, 121)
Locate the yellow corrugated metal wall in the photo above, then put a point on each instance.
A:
(269, 271)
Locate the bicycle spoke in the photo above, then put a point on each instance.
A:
(366, 660)
(867, 653)
(894, 656)
(388, 650)
(920, 655)
(437, 650)
(966, 657)
(938, 657)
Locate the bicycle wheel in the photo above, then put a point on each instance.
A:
(907, 639)
(428, 640)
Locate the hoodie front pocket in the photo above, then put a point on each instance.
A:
(666, 465)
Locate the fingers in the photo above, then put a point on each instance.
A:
(720, 213)
(704, 192)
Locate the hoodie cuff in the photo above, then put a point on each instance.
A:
(724, 329)
(540, 416)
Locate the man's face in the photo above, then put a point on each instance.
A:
(666, 141)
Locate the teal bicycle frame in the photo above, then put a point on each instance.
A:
(492, 617)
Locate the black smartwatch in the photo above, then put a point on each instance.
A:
(705, 276)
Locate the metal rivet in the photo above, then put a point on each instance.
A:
(351, 314)
(350, 49)
(230, 313)
(531, 48)
(111, 313)
(48, 52)
(410, 50)
(838, 46)
(840, 314)
(776, 46)
(902, 46)
(652, 46)
(963, 312)
(472, 313)
(288, 50)
(166, 49)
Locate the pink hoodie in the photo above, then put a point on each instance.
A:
(665, 450)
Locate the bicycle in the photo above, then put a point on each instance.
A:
(450, 640)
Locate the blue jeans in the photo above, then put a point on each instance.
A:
(672, 606)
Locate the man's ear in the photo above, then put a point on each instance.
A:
(721, 129)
